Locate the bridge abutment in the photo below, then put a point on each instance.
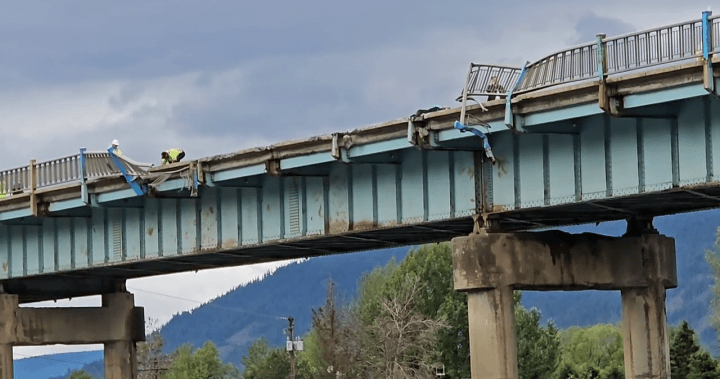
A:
(489, 266)
(118, 324)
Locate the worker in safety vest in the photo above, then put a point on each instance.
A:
(172, 155)
(116, 147)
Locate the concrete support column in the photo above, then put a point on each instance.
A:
(488, 266)
(8, 310)
(6, 361)
(493, 345)
(645, 333)
(120, 356)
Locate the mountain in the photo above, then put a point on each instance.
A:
(47, 366)
(235, 319)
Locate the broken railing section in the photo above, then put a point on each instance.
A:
(141, 180)
(487, 80)
(132, 180)
(696, 39)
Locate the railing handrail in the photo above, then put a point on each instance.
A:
(65, 169)
(507, 77)
(671, 43)
(630, 34)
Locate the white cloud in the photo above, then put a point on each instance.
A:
(162, 297)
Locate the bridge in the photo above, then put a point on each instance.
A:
(624, 127)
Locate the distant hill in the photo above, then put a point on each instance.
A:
(54, 365)
(233, 321)
(240, 316)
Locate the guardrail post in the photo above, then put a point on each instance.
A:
(509, 117)
(465, 95)
(33, 186)
(603, 98)
(708, 77)
(83, 177)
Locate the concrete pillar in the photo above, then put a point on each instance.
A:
(6, 361)
(8, 310)
(120, 356)
(493, 345)
(645, 333)
(488, 266)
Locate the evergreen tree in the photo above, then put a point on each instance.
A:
(703, 366)
(683, 347)
(538, 347)
(330, 335)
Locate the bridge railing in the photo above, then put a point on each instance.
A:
(490, 80)
(653, 47)
(632, 51)
(67, 169)
(577, 63)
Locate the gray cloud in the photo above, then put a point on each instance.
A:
(590, 25)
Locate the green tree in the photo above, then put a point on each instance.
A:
(703, 366)
(202, 363)
(431, 268)
(80, 374)
(264, 362)
(687, 359)
(683, 347)
(454, 341)
(538, 347)
(596, 351)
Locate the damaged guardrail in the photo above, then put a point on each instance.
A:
(68, 169)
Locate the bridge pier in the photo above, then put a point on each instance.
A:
(118, 324)
(120, 357)
(489, 266)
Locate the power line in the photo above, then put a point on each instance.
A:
(209, 304)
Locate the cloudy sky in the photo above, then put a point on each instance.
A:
(218, 76)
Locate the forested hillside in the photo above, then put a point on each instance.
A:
(233, 321)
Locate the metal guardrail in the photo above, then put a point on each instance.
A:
(565, 66)
(68, 169)
(637, 50)
(653, 47)
(489, 80)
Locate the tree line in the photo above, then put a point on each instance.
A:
(407, 321)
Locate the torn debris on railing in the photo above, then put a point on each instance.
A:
(486, 145)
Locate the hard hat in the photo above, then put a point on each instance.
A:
(115, 143)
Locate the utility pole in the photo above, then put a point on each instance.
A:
(292, 348)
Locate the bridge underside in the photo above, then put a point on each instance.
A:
(104, 279)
